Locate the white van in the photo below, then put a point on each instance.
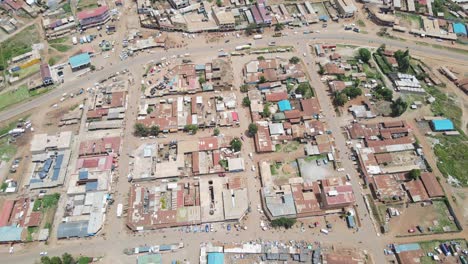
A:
(325, 231)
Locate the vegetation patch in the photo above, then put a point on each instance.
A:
(452, 154)
(61, 47)
(17, 45)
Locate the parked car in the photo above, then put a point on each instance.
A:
(411, 230)
(319, 163)
(229, 227)
(207, 228)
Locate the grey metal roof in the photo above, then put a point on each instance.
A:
(73, 229)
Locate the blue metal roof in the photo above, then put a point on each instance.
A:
(442, 125)
(73, 229)
(79, 60)
(91, 186)
(407, 247)
(83, 175)
(459, 29)
(10, 233)
(215, 258)
(284, 105)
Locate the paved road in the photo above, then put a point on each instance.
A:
(346, 38)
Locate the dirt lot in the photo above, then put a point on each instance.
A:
(434, 216)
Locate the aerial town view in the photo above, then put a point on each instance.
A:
(234, 131)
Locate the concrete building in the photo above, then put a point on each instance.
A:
(79, 61)
(94, 17)
(224, 18)
(346, 8)
(178, 4)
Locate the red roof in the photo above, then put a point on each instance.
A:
(276, 97)
(6, 212)
(433, 187)
(92, 13)
(90, 163)
(14, 4)
(208, 143)
(235, 116)
(310, 106)
(34, 219)
(118, 99)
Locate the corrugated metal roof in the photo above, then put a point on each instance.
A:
(10, 233)
(149, 259)
(79, 60)
(215, 258)
(72, 229)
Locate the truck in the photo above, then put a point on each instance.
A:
(325, 231)
(74, 40)
(243, 47)
(445, 250)
(119, 210)
(350, 221)
(258, 36)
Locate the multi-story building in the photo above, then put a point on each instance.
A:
(178, 4)
(94, 17)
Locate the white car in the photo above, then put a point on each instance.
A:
(44, 253)
(304, 54)
(253, 167)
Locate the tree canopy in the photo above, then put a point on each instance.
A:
(283, 222)
(294, 60)
(236, 145)
(253, 128)
(364, 55)
(399, 107)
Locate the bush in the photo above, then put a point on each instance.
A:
(398, 107)
(283, 222)
(305, 90)
(236, 145)
(216, 132)
(253, 128)
(294, 60)
(353, 92)
(260, 58)
(384, 93)
(140, 130)
(154, 131)
(415, 174)
(244, 88)
(364, 55)
(340, 99)
(246, 101)
(191, 128)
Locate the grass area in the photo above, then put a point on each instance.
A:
(31, 231)
(291, 146)
(383, 64)
(47, 202)
(13, 97)
(7, 150)
(53, 60)
(58, 40)
(26, 72)
(371, 73)
(346, 46)
(445, 105)
(428, 246)
(61, 47)
(457, 50)
(274, 169)
(18, 44)
(67, 8)
(443, 217)
(37, 205)
(452, 154)
(361, 23)
(278, 147)
(412, 18)
(86, 4)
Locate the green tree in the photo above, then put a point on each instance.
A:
(201, 80)
(262, 79)
(403, 60)
(398, 107)
(67, 259)
(385, 93)
(304, 88)
(154, 130)
(149, 110)
(266, 110)
(55, 260)
(236, 145)
(352, 92)
(246, 101)
(140, 130)
(92, 67)
(260, 58)
(364, 55)
(340, 99)
(253, 128)
(216, 132)
(45, 260)
(283, 222)
(244, 88)
(250, 29)
(294, 60)
(191, 128)
(415, 174)
(219, 3)
(279, 27)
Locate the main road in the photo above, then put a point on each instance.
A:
(73, 84)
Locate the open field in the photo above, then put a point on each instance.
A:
(18, 44)
(452, 154)
(61, 47)
(26, 72)
(86, 4)
(19, 95)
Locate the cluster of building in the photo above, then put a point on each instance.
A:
(191, 16)
(462, 83)
(107, 105)
(274, 251)
(187, 202)
(432, 25)
(16, 217)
